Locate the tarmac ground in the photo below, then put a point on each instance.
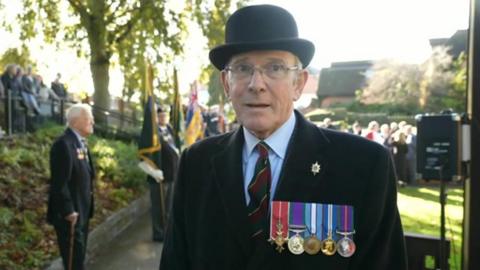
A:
(132, 250)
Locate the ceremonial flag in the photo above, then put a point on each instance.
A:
(194, 121)
(149, 145)
(177, 114)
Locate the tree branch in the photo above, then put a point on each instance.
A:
(80, 8)
(112, 17)
(125, 29)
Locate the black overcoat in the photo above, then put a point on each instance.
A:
(209, 227)
(71, 186)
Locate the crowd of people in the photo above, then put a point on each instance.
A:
(29, 92)
(29, 86)
(399, 138)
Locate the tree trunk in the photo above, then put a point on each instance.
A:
(100, 58)
(101, 97)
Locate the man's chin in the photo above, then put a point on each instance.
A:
(260, 130)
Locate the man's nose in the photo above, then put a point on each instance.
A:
(257, 80)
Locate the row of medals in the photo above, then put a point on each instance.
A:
(345, 247)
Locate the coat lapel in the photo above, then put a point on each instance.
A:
(86, 163)
(229, 178)
(300, 173)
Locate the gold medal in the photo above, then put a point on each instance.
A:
(312, 245)
(346, 247)
(295, 244)
(279, 240)
(278, 235)
(329, 247)
(80, 154)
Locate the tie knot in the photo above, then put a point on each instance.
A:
(84, 142)
(262, 148)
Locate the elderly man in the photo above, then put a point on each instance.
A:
(280, 193)
(70, 201)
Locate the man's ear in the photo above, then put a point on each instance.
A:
(225, 84)
(299, 84)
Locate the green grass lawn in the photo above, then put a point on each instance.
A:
(420, 211)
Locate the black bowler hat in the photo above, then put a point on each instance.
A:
(261, 27)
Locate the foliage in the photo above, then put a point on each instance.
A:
(391, 83)
(19, 56)
(456, 95)
(437, 84)
(132, 30)
(437, 76)
(215, 89)
(26, 241)
(212, 21)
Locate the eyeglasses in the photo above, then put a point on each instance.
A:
(273, 71)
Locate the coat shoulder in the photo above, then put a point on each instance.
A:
(212, 144)
(353, 144)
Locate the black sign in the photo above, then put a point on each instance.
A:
(437, 147)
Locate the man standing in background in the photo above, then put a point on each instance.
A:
(161, 193)
(70, 201)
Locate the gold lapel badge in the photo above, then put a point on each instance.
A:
(316, 168)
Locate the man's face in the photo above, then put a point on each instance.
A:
(83, 124)
(262, 104)
(163, 118)
(11, 71)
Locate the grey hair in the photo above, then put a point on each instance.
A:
(11, 67)
(298, 62)
(76, 110)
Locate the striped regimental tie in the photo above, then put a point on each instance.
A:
(259, 191)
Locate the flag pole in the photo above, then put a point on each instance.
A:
(162, 206)
(155, 137)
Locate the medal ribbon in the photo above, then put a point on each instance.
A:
(308, 217)
(279, 213)
(311, 217)
(297, 215)
(346, 218)
(320, 219)
(331, 220)
(313, 223)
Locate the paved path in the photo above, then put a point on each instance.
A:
(132, 250)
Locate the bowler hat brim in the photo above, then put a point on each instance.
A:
(303, 49)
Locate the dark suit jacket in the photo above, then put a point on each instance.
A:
(209, 227)
(170, 156)
(71, 187)
(169, 160)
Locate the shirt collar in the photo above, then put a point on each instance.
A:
(278, 141)
(79, 137)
